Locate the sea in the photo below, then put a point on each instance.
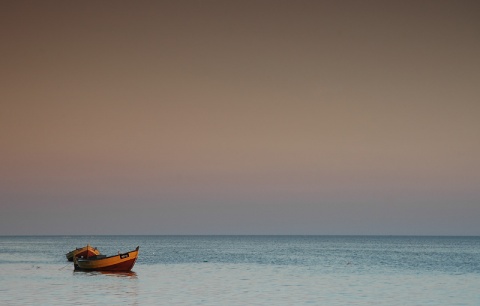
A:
(246, 270)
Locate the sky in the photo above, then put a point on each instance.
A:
(240, 117)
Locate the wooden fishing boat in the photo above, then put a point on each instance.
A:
(118, 263)
(86, 251)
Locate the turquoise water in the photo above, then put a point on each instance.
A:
(246, 270)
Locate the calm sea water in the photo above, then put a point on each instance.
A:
(246, 270)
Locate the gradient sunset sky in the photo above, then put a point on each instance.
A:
(240, 117)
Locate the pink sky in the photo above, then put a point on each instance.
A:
(240, 117)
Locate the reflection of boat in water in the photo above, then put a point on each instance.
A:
(122, 262)
(86, 251)
(129, 274)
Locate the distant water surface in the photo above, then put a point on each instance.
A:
(246, 270)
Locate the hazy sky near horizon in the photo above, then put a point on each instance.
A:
(240, 117)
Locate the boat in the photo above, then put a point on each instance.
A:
(117, 263)
(86, 251)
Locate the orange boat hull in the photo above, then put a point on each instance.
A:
(118, 263)
(86, 251)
